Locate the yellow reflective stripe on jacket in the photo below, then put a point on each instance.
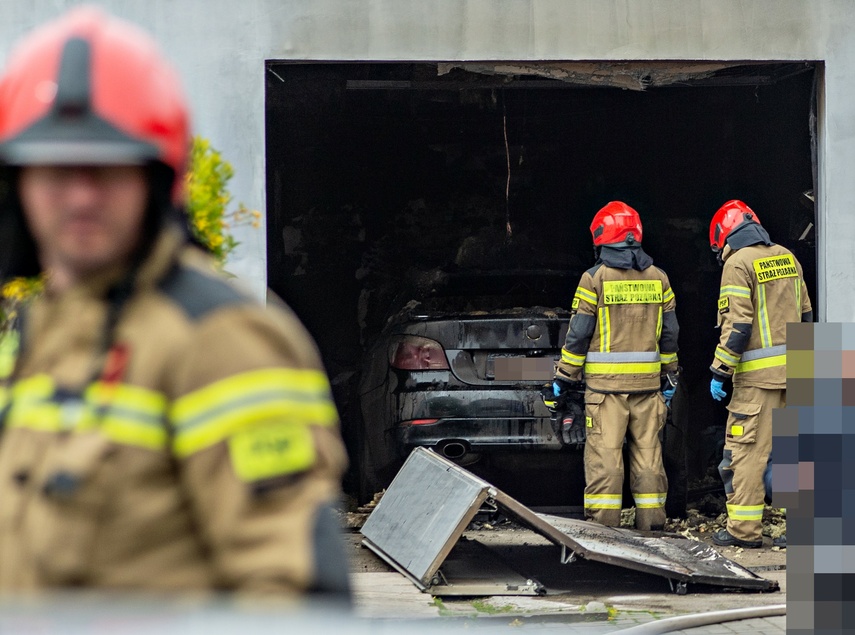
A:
(215, 412)
(763, 315)
(622, 363)
(571, 358)
(669, 295)
(667, 358)
(586, 295)
(725, 357)
(605, 335)
(649, 501)
(125, 414)
(659, 324)
(622, 369)
(31, 406)
(130, 414)
(603, 501)
(745, 512)
(742, 292)
(760, 364)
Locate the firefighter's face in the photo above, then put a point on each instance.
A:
(84, 218)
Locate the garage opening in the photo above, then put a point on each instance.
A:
(381, 174)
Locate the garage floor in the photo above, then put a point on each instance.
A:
(587, 595)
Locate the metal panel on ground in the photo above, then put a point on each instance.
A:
(423, 514)
(431, 501)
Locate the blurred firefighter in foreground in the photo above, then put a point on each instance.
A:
(762, 289)
(161, 430)
(622, 340)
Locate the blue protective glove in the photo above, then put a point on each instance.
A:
(557, 389)
(668, 394)
(716, 389)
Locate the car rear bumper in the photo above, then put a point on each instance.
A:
(455, 435)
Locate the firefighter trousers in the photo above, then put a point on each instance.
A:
(609, 419)
(747, 447)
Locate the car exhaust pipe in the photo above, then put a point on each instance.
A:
(453, 449)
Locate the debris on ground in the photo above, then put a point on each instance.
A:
(627, 517)
(355, 519)
(774, 522)
(370, 505)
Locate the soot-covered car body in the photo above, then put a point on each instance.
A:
(460, 370)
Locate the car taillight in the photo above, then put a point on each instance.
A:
(412, 352)
(421, 422)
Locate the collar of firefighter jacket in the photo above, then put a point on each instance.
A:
(161, 257)
(748, 234)
(625, 257)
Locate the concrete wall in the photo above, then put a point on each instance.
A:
(220, 48)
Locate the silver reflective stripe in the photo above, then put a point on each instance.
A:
(760, 353)
(652, 356)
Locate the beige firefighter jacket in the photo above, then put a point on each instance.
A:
(762, 289)
(623, 330)
(199, 452)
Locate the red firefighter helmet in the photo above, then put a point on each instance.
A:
(617, 222)
(728, 217)
(89, 88)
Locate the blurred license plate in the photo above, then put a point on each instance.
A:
(522, 368)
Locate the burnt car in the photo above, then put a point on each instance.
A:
(459, 369)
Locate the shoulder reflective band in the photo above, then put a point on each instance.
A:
(723, 303)
(669, 295)
(249, 400)
(632, 292)
(775, 268)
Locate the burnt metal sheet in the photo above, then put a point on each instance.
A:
(431, 501)
(681, 560)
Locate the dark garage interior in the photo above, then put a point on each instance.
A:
(377, 172)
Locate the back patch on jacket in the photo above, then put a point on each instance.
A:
(632, 292)
(775, 268)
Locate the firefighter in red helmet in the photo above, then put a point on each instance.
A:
(161, 430)
(762, 289)
(622, 340)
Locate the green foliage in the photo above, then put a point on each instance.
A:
(208, 200)
(12, 295)
(484, 606)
